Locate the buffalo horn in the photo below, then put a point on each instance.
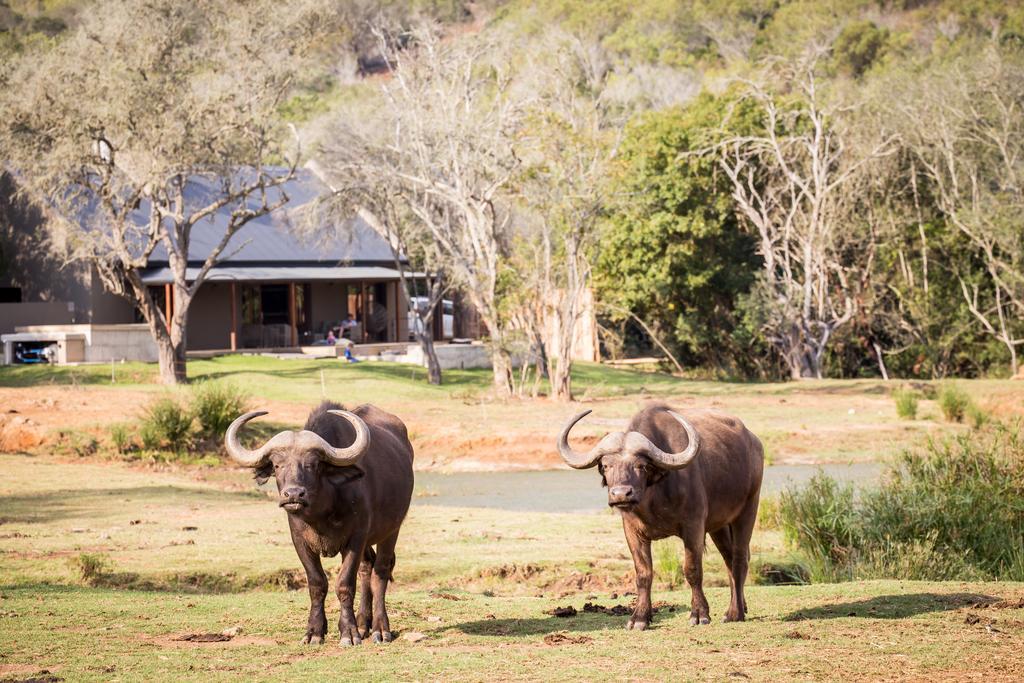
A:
(240, 453)
(349, 455)
(575, 459)
(676, 461)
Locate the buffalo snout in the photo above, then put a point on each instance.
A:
(621, 496)
(293, 498)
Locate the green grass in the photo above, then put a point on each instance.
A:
(799, 422)
(123, 562)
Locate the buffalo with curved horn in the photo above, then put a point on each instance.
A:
(340, 498)
(685, 475)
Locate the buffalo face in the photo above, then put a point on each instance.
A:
(628, 461)
(627, 476)
(301, 462)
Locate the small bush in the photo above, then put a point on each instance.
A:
(768, 513)
(780, 573)
(215, 405)
(977, 416)
(666, 562)
(91, 567)
(819, 519)
(953, 401)
(122, 438)
(166, 424)
(906, 403)
(82, 445)
(953, 510)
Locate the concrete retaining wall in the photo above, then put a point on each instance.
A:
(104, 343)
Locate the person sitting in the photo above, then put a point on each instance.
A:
(331, 339)
(348, 324)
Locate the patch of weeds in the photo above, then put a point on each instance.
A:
(768, 513)
(780, 572)
(82, 445)
(906, 403)
(122, 438)
(977, 416)
(166, 424)
(953, 402)
(91, 567)
(666, 562)
(215, 405)
(951, 511)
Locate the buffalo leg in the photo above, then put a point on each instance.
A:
(382, 569)
(365, 615)
(346, 589)
(640, 548)
(693, 570)
(742, 530)
(723, 539)
(316, 579)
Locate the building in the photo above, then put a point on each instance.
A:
(270, 290)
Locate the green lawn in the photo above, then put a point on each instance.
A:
(462, 425)
(180, 556)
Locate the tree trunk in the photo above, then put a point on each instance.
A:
(426, 342)
(501, 362)
(172, 359)
(561, 379)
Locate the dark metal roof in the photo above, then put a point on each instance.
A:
(271, 239)
(276, 273)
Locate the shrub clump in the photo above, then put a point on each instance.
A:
(91, 567)
(954, 402)
(166, 424)
(954, 510)
(906, 403)
(215, 405)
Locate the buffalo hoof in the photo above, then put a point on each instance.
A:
(382, 637)
(731, 617)
(703, 621)
(636, 625)
(313, 640)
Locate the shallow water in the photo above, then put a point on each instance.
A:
(562, 491)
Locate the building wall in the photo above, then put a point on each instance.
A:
(209, 318)
(327, 304)
(106, 308)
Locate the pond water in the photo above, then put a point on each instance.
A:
(562, 491)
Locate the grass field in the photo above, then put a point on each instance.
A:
(460, 425)
(107, 567)
(172, 557)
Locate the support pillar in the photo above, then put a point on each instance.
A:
(291, 314)
(234, 316)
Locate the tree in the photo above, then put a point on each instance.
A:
(119, 125)
(792, 183)
(445, 145)
(570, 134)
(964, 122)
(676, 253)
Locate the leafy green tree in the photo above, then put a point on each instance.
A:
(673, 251)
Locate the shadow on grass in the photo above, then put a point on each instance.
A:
(891, 606)
(581, 621)
(53, 506)
(191, 583)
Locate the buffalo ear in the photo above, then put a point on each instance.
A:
(347, 474)
(262, 474)
(655, 474)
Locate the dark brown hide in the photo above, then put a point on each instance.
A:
(716, 493)
(349, 510)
